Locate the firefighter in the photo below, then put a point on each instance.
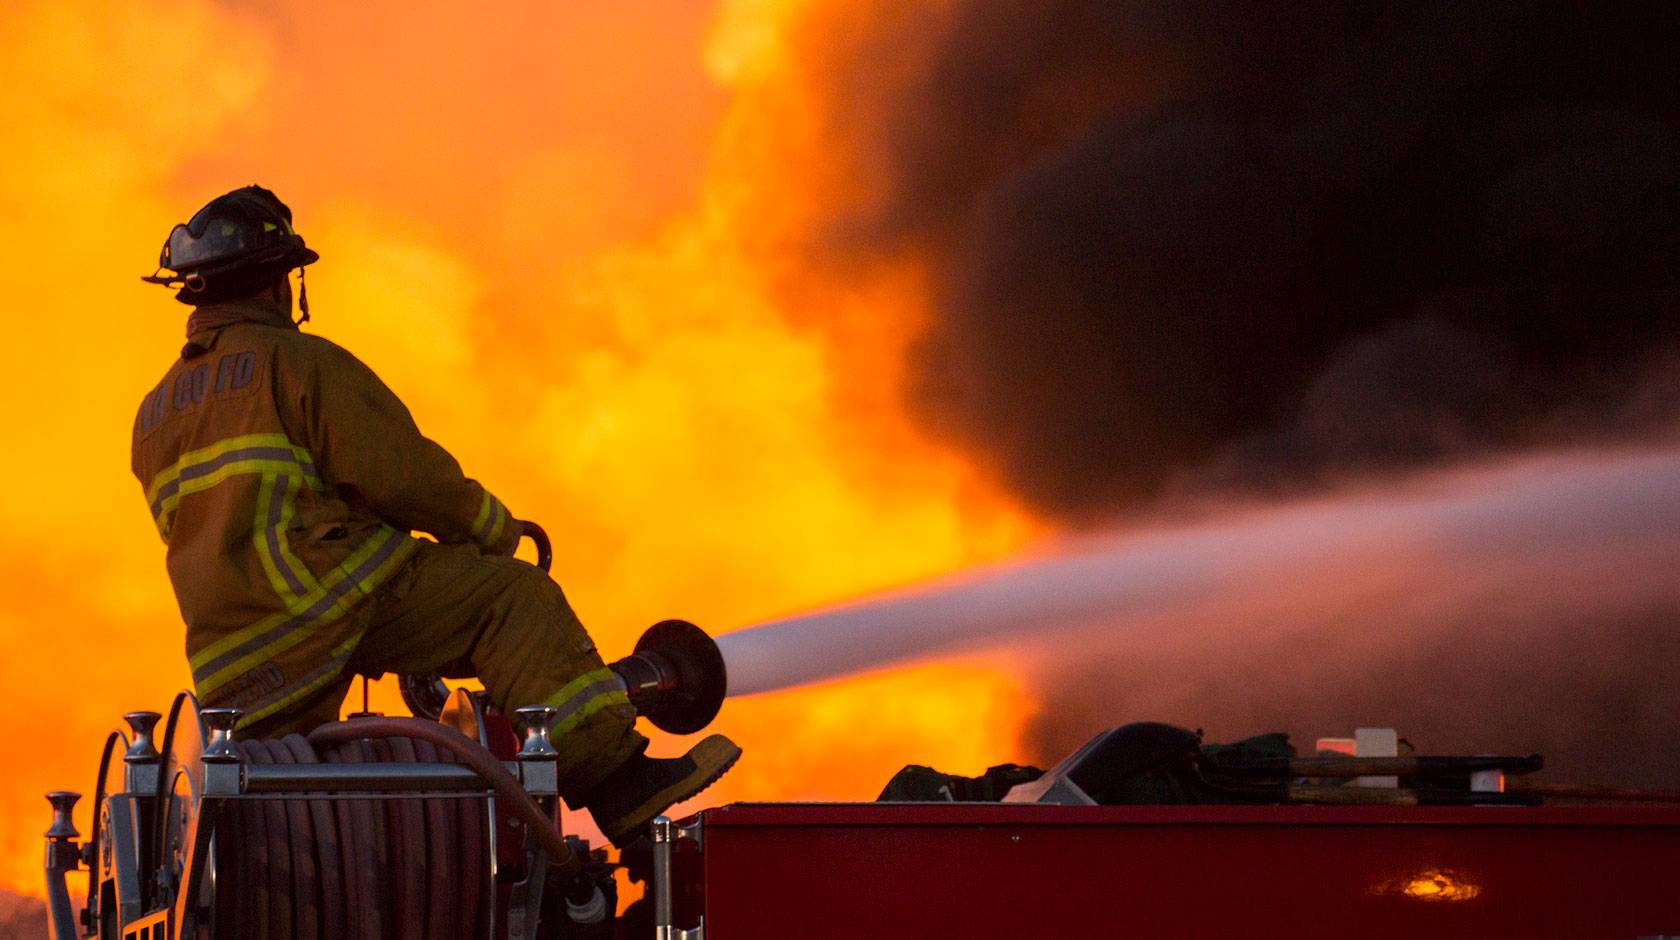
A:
(286, 480)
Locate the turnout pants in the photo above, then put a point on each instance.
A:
(453, 611)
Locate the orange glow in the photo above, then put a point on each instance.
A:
(567, 235)
(1434, 885)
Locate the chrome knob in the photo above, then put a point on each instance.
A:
(538, 721)
(142, 750)
(63, 804)
(221, 722)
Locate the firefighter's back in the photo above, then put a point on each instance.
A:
(263, 555)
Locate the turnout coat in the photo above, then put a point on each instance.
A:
(286, 478)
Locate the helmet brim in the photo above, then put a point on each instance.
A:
(296, 256)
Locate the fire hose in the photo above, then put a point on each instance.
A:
(319, 869)
(475, 757)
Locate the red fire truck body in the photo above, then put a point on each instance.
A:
(758, 871)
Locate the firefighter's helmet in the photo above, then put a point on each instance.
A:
(234, 246)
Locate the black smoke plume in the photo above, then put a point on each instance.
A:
(1183, 244)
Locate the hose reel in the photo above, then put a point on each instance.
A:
(373, 827)
(438, 826)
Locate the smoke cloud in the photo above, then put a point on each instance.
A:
(21, 917)
(1176, 252)
(1182, 246)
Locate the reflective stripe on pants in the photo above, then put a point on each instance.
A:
(305, 647)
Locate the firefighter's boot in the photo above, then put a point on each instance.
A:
(643, 787)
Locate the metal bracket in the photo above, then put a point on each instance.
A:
(121, 855)
(140, 771)
(538, 760)
(221, 722)
(63, 855)
(525, 898)
(665, 835)
(224, 769)
(697, 932)
(538, 772)
(694, 833)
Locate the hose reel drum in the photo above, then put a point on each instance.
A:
(368, 828)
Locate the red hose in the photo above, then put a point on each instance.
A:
(340, 869)
(351, 869)
(482, 762)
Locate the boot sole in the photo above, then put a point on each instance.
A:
(713, 758)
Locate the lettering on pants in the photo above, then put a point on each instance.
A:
(244, 689)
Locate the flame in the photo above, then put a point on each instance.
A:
(570, 238)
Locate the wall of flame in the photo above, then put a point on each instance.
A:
(569, 235)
